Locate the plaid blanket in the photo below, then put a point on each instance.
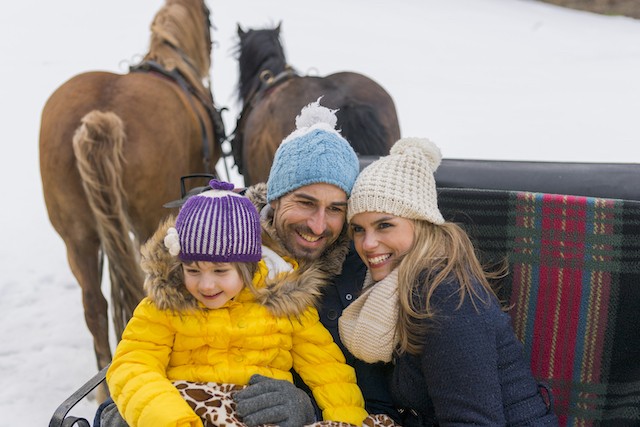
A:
(574, 289)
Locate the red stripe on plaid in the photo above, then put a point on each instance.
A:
(563, 224)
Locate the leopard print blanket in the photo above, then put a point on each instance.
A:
(214, 404)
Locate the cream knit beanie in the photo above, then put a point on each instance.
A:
(401, 184)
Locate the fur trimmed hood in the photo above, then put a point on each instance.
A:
(164, 280)
(288, 294)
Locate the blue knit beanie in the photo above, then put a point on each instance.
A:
(313, 153)
(217, 225)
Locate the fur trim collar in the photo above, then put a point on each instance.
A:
(286, 295)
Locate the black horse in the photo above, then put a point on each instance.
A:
(272, 93)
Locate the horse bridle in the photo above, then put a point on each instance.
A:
(267, 81)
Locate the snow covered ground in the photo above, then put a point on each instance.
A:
(485, 79)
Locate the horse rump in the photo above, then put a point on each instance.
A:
(360, 124)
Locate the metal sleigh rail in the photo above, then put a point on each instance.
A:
(60, 419)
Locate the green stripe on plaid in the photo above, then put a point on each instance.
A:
(575, 290)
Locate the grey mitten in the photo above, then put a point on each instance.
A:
(270, 401)
(110, 417)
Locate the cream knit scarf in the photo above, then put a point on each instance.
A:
(368, 326)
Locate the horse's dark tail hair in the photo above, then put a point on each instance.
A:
(98, 145)
(360, 125)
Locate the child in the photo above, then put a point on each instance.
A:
(201, 322)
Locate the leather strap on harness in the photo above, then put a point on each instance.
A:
(213, 113)
(267, 82)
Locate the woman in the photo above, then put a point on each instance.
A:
(428, 306)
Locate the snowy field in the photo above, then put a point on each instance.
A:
(485, 79)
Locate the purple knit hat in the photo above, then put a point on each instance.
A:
(217, 225)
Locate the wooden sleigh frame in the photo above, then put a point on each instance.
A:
(571, 235)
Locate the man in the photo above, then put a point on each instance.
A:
(303, 210)
(303, 215)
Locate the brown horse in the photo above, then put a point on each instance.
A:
(272, 94)
(112, 150)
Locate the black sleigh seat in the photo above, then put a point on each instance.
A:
(570, 233)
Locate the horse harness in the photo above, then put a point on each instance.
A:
(267, 83)
(214, 114)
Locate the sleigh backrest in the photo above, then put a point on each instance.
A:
(574, 289)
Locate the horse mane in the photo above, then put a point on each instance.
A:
(177, 42)
(258, 50)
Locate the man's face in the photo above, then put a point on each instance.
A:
(309, 219)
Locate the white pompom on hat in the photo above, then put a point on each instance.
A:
(400, 184)
(315, 152)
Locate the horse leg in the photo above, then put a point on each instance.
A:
(86, 265)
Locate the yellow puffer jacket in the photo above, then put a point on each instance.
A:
(226, 345)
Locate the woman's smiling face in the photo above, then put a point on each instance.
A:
(381, 240)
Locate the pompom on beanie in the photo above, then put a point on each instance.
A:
(217, 225)
(401, 184)
(313, 153)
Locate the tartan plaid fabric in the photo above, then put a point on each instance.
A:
(574, 288)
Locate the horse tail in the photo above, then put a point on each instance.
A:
(98, 145)
(360, 125)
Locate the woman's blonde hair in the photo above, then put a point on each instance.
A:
(439, 253)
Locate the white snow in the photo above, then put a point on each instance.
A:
(484, 79)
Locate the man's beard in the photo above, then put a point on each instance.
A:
(304, 254)
(301, 253)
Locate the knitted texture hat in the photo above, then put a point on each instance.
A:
(217, 225)
(313, 153)
(401, 184)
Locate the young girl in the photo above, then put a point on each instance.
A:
(201, 322)
(428, 305)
